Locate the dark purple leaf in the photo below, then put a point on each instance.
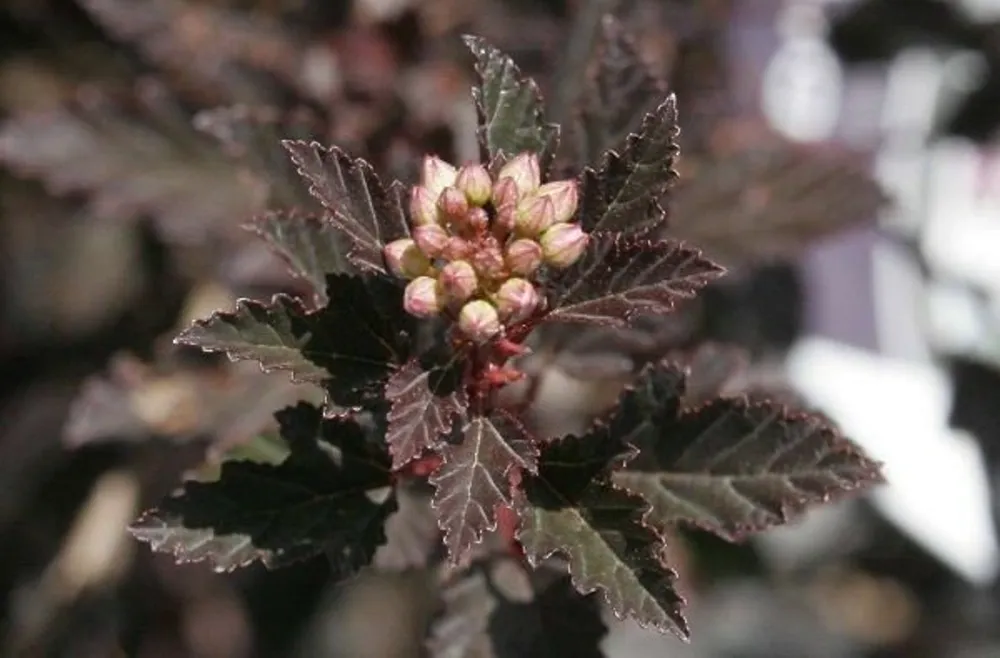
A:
(623, 91)
(618, 278)
(426, 398)
(624, 193)
(509, 107)
(350, 346)
(729, 466)
(332, 493)
(571, 509)
(369, 213)
(474, 478)
(711, 368)
(311, 246)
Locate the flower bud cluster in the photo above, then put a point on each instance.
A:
(477, 243)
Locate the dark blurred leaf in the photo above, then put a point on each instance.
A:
(769, 200)
(618, 278)
(509, 105)
(351, 345)
(710, 367)
(624, 193)
(572, 509)
(426, 399)
(623, 91)
(311, 246)
(731, 467)
(370, 214)
(331, 493)
(474, 478)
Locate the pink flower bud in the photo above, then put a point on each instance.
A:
(523, 256)
(476, 219)
(423, 207)
(458, 281)
(516, 300)
(505, 218)
(421, 297)
(431, 238)
(505, 193)
(564, 198)
(436, 174)
(524, 170)
(534, 215)
(405, 259)
(479, 321)
(475, 182)
(563, 244)
(456, 249)
(453, 203)
(488, 260)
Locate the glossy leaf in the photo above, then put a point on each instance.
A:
(369, 213)
(624, 193)
(509, 107)
(474, 478)
(619, 278)
(332, 493)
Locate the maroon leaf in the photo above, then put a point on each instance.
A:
(369, 213)
(619, 278)
(474, 478)
(729, 466)
(426, 399)
(624, 193)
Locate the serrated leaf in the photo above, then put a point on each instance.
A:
(618, 278)
(311, 246)
(624, 193)
(350, 346)
(474, 478)
(369, 213)
(623, 91)
(733, 467)
(330, 494)
(509, 108)
(426, 399)
(570, 508)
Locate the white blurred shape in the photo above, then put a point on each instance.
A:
(802, 89)
(937, 491)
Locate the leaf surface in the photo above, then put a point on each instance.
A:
(474, 478)
(618, 278)
(426, 399)
(330, 494)
(624, 193)
(509, 108)
(571, 508)
(369, 213)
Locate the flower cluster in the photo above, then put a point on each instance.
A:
(478, 244)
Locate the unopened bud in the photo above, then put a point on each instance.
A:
(505, 218)
(456, 248)
(479, 321)
(534, 215)
(405, 259)
(476, 219)
(563, 244)
(423, 206)
(421, 297)
(489, 261)
(505, 193)
(523, 256)
(516, 300)
(453, 203)
(458, 281)
(431, 238)
(524, 170)
(475, 182)
(436, 174)
(564, 198)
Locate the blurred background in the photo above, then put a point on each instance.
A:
(138, 136)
